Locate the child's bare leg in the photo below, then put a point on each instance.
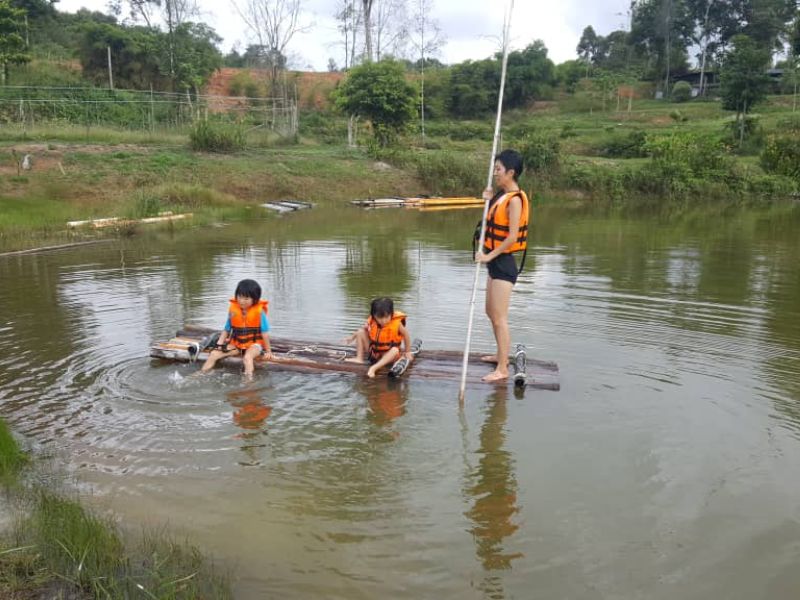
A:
(214, 357)
(249, 358)
(362, 347)
(212, 360)
(389, 357)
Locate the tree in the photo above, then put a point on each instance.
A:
(137, 9)
(743, 78)
(529, 74)
(588, 46)
(349, 17)
(794, 60)
(177, 13)
(174, 14)
(273, 23)
(263, 57)
(661, 30)
(366, 11)
(569, 73)
(12, 44)
(35, 10)
(380, 93)
(391, 27)
(427, 38)
(473, 88)
(135, 52)
(194, 55)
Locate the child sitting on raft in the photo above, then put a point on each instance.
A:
(381, 337)
(246, 330)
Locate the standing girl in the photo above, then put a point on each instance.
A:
(506, 233)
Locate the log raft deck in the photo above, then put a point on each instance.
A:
(318, 357)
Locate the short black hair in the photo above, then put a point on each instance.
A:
(511, 159)
(248, 288)
(381, 307)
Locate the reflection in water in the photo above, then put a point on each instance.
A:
(387, 400)
(493, 486)
(376, 266)
(250, 413)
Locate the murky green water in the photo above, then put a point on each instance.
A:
(666, 467)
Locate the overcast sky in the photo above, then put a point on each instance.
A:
(472, 27)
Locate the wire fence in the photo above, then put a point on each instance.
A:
(35, 106)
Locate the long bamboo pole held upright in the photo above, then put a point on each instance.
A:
(498, 120)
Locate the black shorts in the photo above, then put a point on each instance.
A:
(504, 267)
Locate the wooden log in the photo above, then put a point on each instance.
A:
(318, 357)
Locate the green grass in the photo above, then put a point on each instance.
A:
(88, 135)
(58, 549)
(12, 459)
(113, 172)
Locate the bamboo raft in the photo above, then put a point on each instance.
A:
(193, 344)
(421, 202)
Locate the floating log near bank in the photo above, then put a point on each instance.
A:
(191, 344)
(121, 221)
(421, 202)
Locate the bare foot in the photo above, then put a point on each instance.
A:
(371, 373)
(489, 358)
(494, 376)
(358, 361)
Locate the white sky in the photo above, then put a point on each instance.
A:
(472, 27)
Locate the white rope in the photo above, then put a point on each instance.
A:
(495, 141)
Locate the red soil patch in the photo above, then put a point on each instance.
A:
(313, 89)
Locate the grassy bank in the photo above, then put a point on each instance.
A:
(97, 180)
(54, 548)
(656, 153)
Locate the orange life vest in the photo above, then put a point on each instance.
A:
(246, 328)
(381, 339)
(498, 226)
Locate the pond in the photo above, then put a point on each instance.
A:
(665, 467)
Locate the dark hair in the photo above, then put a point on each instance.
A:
(381, 307)
(511, 159)
(248, 288)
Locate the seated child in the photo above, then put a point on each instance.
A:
(246, 330)
(381, 337)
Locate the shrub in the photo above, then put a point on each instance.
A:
(242, 84)
(632, 145)
(790, 123)
(461, 132)
(682, 91)
(541, 153)
(214, 137)
(781, 155)
(678, 116)
(679, 161)
(451, 173)
(753, 140)
(568, 131)
(770, 186)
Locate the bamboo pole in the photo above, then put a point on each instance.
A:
(506, 32)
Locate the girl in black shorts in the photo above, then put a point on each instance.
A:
(506, 232)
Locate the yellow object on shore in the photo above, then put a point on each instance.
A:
(418, 202)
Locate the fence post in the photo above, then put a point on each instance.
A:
(110, 72)
(152, 111)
